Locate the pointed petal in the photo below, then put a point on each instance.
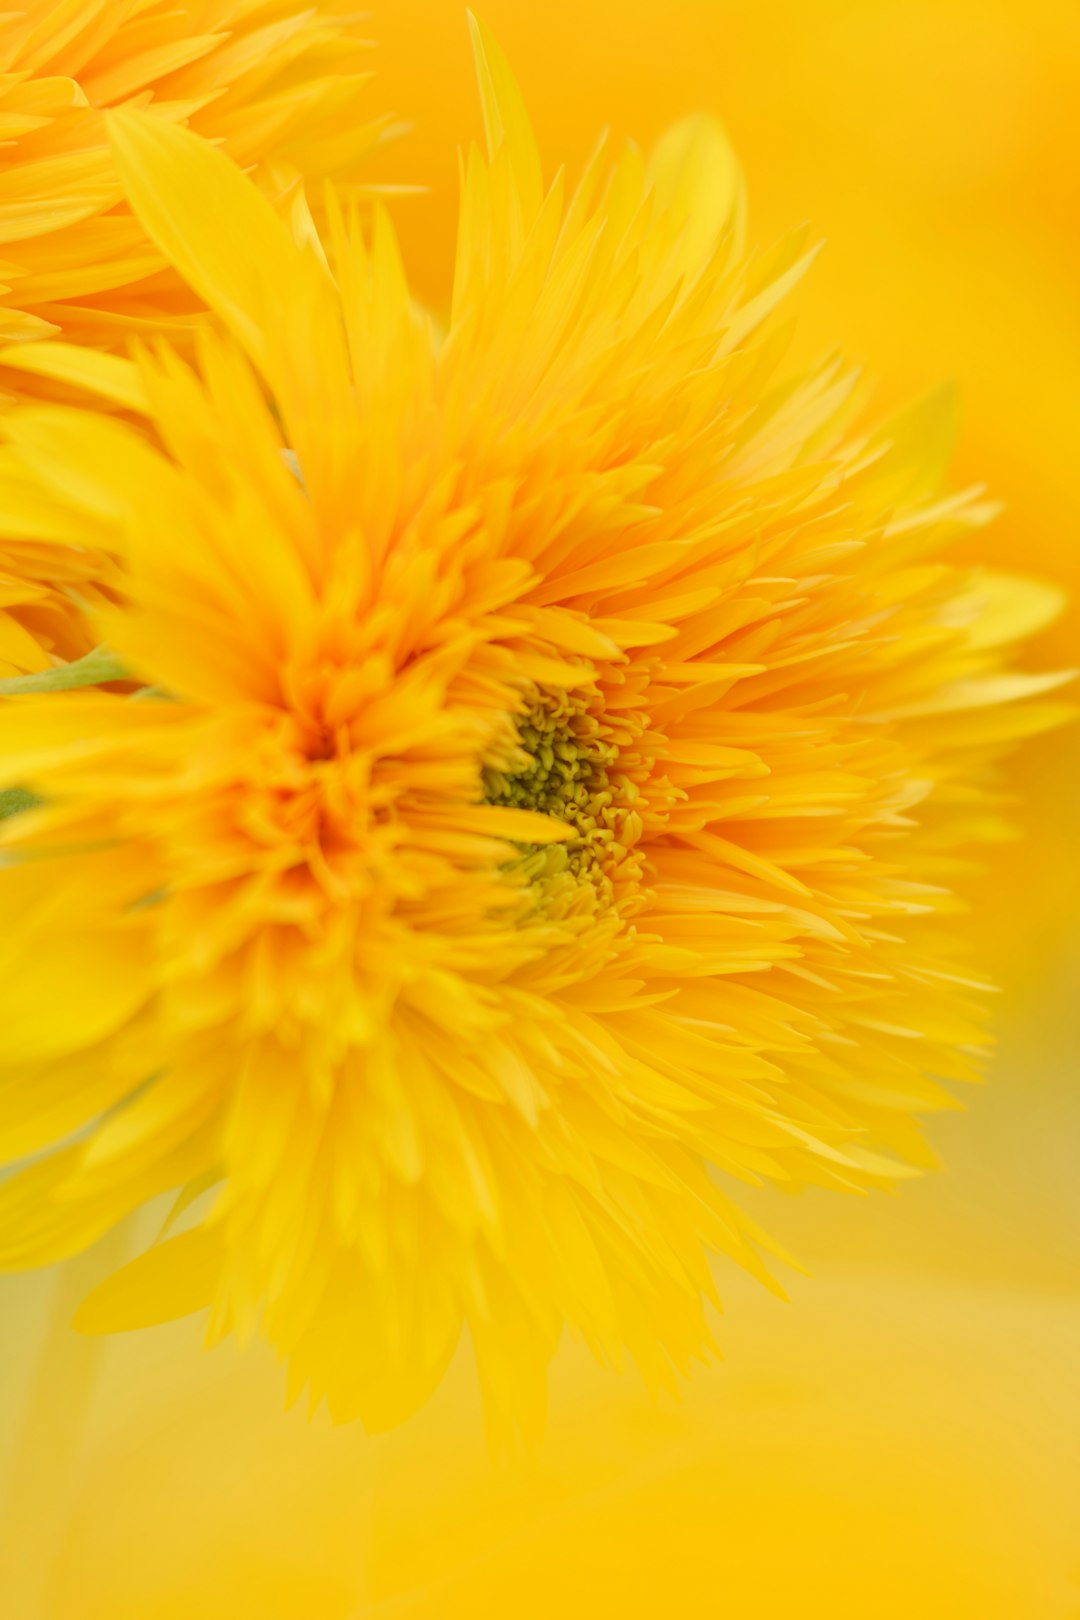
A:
(107, 376)
(506, 121)
(173, 1279)
(209, 221)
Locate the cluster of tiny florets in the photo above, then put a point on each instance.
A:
(566, 768)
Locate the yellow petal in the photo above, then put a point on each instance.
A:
(106, 376)
(173, 1279)
(71, 991)
(1011, 607)
(209, 221)
(506, 121)
(698, 182)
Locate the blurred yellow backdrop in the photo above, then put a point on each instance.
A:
(903, 1438)
(886, 1447)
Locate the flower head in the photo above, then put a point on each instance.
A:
(555, 741)
(277, 85)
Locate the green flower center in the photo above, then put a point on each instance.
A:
(568, 770)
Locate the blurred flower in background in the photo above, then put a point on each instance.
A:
(280, 87)
(905, 1436)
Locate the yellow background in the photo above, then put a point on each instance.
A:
(903, 1439)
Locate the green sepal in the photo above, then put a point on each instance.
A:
(96, 666)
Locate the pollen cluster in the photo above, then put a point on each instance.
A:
(568, 770)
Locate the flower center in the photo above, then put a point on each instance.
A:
(565, 767)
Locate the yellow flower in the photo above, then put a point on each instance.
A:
(277, 84)
(557, 740)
